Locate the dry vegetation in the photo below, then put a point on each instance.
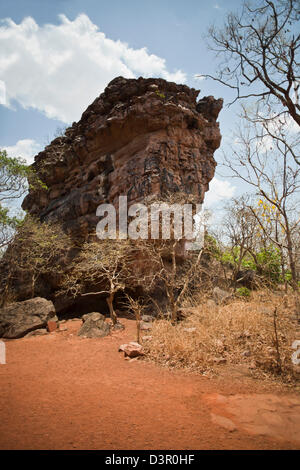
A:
(241, 332)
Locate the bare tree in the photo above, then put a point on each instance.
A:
(37, 249)
(240, 234)
(103, 267)
(264, 166)
(259, 51)
(174, 270)
(137, 306)
(172, 266)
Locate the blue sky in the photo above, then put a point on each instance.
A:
(57, 56)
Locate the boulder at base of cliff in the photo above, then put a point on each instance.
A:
(19, 318)
(94, 326)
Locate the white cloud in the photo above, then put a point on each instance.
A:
(25, 149)
(2, 93)
(218, 191)
(60, 69)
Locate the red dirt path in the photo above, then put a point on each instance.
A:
(60, 391)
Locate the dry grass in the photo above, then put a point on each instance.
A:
(238, 333)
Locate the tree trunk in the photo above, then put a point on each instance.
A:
(32, 285)
(138, 329)
(294, 280)
(174, 313)
(291, 254)
(109, 301)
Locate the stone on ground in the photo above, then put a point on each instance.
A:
(94, 326)
(19, 318)
(132, 349)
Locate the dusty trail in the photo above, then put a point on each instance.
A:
(63, 392)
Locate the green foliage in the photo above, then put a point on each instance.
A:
(270, 263)
(15, 175)
(230, 257)
(266, 262)
(7, 220)
(8, 225)
(211, 246)
(161, 95)
(248, 263)
(15, 178)
(243, 292)
(36, 249)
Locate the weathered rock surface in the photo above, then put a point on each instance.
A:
(20, 318)
(132, 349)
(268, 415)
(94, 326)
(38, 332)
(145, 325)
(139, 137)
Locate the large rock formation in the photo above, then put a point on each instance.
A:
(139, 137)
(20, 318)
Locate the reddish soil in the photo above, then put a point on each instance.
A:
(60, 391)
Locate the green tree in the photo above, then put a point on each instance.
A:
(37, 249)
(15, 177)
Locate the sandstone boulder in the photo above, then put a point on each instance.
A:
(139, 137)
(19, 318)
(94, 326)
(132, 349)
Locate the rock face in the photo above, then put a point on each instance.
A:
(20, 318)
(139, 137)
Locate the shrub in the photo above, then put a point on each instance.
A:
(243, 292)
(236, 333)
(161, 95)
